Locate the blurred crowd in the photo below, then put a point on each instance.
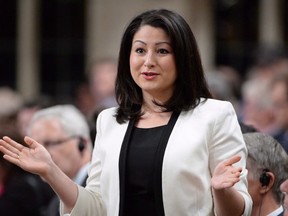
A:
(260, 99)
(66, 130)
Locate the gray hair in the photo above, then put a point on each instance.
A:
(264, 152)
(258, 90)
(71, 119)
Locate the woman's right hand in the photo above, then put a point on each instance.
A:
(34, 158)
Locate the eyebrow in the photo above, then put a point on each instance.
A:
(158, 43)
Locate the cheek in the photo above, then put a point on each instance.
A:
(252, 185)
(170, 66)
(135, 66)
(60, 152)
(133, 62)
(56, 154)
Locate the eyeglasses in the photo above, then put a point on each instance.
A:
(58, 142)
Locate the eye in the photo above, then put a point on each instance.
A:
(140, 50)
(163, 51)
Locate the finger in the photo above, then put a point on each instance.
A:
(235, 169)
(239, 169)
(9, 149)
(236, 175)
(232, 160)
(8, 152)
(30, 142)
(13, 143)
(12, 159)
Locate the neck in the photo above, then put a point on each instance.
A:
(151, 108)
(267, 206)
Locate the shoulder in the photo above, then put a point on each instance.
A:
(107, 118)
(213, 107)
(108, 113)
(215, 104)
(210, 112)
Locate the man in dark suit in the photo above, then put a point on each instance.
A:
(279, 96)
(64, 131)
(267, 166)
(21, 193)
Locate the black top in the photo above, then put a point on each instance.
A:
(139, 196)
(147, 203)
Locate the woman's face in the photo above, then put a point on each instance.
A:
(152, 63)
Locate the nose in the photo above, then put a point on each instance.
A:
(149, 60)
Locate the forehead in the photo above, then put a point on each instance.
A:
(150, 32)
(47, 127)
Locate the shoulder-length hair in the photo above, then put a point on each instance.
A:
(190, 83)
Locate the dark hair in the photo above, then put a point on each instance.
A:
(190, 84)
(8, 128)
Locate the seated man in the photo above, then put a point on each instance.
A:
(64, 131)
(21, 193)
(267, 166)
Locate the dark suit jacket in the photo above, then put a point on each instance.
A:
(281, 214)
(26, 195)
(282, 138)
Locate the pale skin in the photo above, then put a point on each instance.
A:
(50, 129)
(284, 189)
(153, 68)
(262, 196)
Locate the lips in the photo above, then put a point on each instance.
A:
(149, 75)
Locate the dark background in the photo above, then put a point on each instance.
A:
(62, 45)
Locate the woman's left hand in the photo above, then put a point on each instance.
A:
(225, 174)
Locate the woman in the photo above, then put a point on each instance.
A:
(168, 149)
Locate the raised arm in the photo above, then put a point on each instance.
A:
(228, 201)
(36, 159)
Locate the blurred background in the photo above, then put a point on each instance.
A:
(46, 46)
(65, 52)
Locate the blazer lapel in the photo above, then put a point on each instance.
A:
(122, 164)
(157, 181)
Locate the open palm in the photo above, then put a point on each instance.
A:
(225, 174)
(34, 158)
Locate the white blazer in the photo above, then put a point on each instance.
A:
(201, 138)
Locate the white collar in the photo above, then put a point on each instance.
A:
(276, 212)
(82, 174)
